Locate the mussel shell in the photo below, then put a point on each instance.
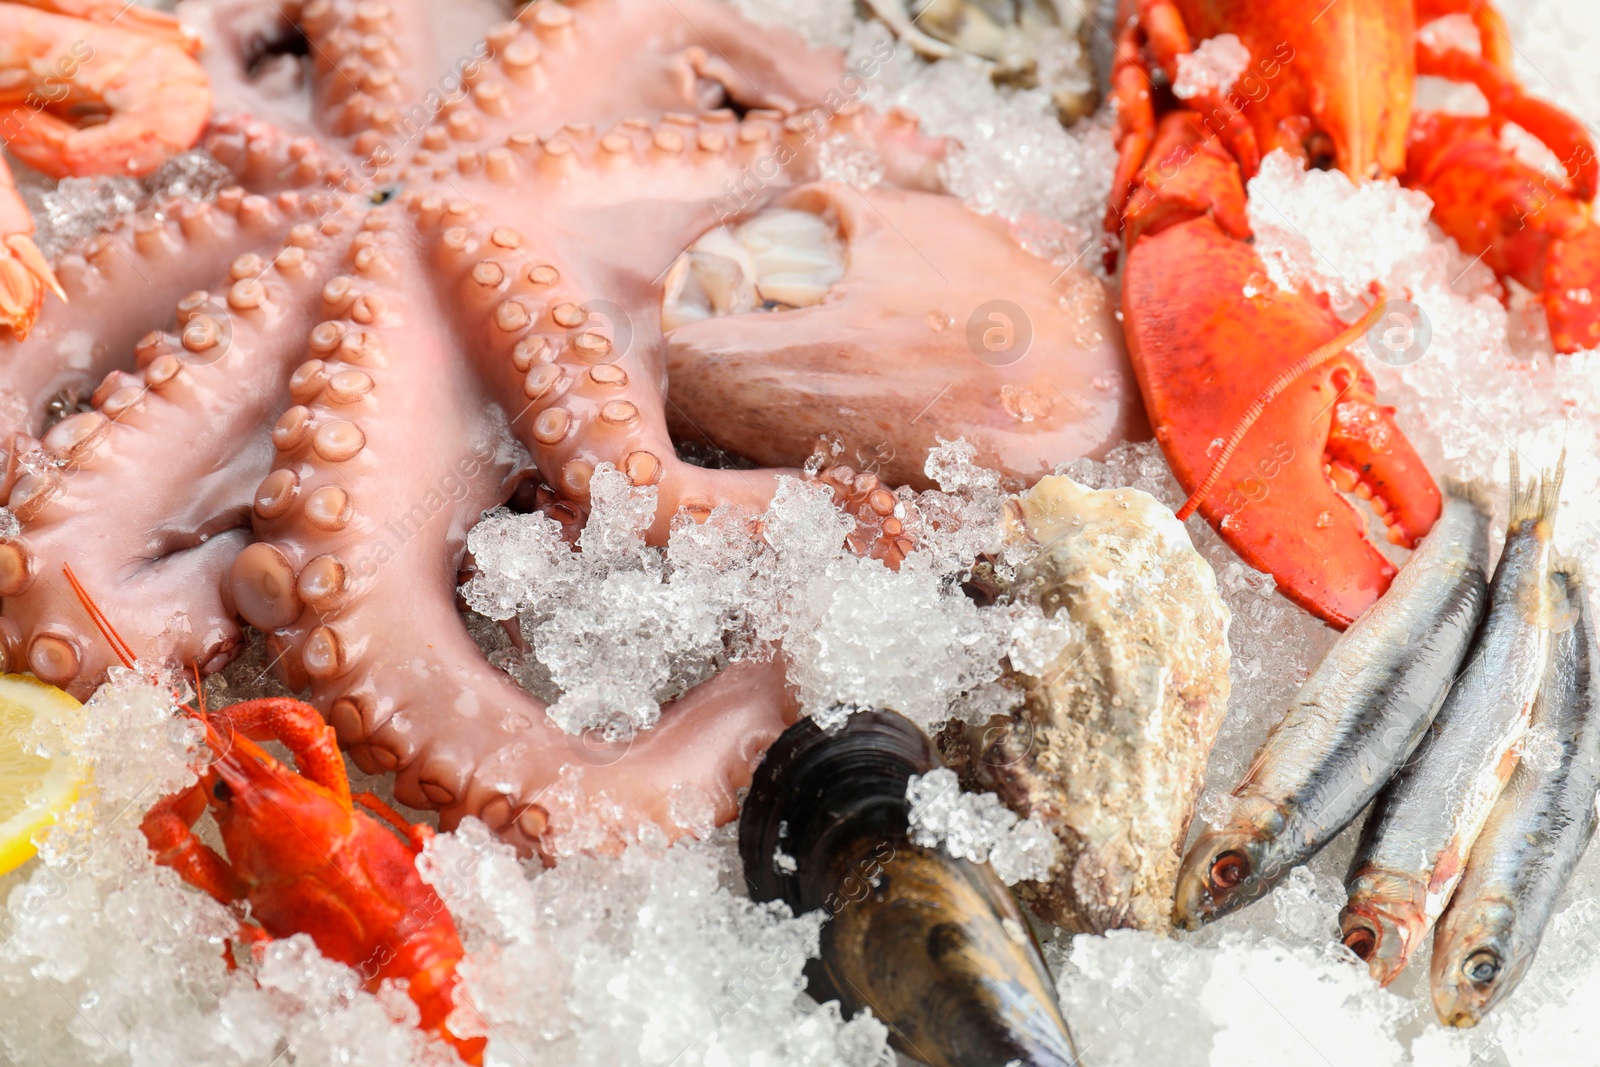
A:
(936, 946)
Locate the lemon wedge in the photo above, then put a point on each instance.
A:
(33, 790)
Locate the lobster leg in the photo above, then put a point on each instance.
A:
(1490, 23)
(169, 830)
(1524, 224)
(1520, 221)
(1136, 121)
(1159, 25)
(301, 729)
(1168, 39)
(1207, 332)
(1564, 135)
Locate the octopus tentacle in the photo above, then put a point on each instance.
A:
(189, 428)
(579, 394)
(371, 57)
(387, 406)
(116, 283)
(266, 159)
(659, 56)
(472, 286)
(568, 332)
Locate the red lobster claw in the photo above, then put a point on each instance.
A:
(1211, 337)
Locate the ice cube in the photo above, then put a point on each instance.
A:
(1212, 67)
(978, 827)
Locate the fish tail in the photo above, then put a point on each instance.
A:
(1521, 496)
(1478, 493)
(1536, 500)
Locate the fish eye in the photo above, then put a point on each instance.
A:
(383, 195)
(1482, 967)
(222, 791)
(1229, 869)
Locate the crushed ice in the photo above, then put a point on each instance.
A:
(647, 958)
(978, 827)
(1010, 157)
(74, 209)
(854, 632)
(1241, 999)
(1212, 67)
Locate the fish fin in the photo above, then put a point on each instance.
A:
(1569, 567)
(1479, 494)
(1536, 499)
(1518, 505)
(1570, 601)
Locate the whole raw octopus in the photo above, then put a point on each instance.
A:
(451, 276)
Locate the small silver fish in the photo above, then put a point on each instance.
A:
(1415, 842)
(1353, 723)
(1535, 835)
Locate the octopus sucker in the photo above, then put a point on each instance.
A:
(121, 286)
(164, 549)
(437, 287)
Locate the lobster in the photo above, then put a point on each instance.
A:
(303, 856)
(1246, 383)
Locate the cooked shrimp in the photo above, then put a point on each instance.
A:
(127, 16)
(24, 272)
(78, 98)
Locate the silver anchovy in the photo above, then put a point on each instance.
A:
(1353, 723)
(1534, 837)
(1416, 840)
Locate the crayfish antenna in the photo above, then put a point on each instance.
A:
(199, 690)
(1307, 363)
(118, 645)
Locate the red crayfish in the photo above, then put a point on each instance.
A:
(302, 855)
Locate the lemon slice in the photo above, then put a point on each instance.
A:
(33, 790)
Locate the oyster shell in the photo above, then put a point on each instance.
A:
(1110, 745)
(1027, 43)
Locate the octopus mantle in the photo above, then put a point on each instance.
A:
(405, 314)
